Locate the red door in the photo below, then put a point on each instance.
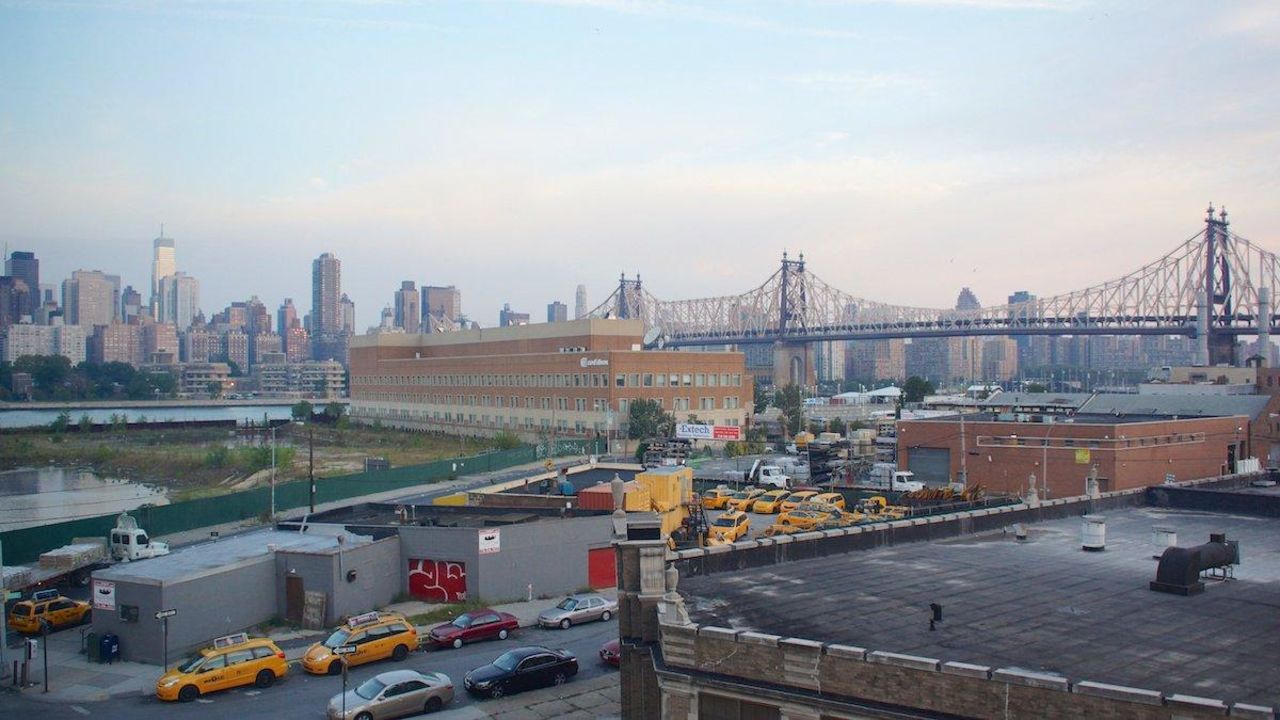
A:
(602, 569)
(438, 580)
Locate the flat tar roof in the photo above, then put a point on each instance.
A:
(206, 557)
(1043, 605)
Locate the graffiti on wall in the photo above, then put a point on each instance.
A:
(438, 580)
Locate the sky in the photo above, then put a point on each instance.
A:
(516, 149)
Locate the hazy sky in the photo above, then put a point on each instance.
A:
(516, 149)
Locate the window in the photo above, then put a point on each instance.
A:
(262, 652)
(214, 663)
(634, 380)
(700, 380)
(716, 707)
(662, 380)
(648, 379)
(737, 380)
(620, 380)
(713, 380)
(580, 404)
(239, 656)
(707, 403)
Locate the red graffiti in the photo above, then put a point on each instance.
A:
(438, 580)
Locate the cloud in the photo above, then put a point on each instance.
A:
(1258, 22)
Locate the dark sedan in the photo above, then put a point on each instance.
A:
(522, 669)
(482, 624)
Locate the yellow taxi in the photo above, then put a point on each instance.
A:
(831, 498)
(374, 635)
(796, 498)
(809, 515)
(728, 528)
(770, 502)
(234, 660)
(47, 608)
(744, 499)
(717, 498)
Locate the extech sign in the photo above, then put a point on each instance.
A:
(594, 362)
(695, 431)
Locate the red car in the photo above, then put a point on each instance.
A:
(468, 627)
(611, 652)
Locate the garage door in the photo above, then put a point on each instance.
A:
(439, 581)
(932, 466)
(601, 568)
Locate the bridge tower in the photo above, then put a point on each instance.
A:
(1215, 314)
(630, 299)
(793, 360)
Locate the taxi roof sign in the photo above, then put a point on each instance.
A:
(365, 619)
(229, 640)
(49, 594)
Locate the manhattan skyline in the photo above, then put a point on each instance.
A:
(517, 149)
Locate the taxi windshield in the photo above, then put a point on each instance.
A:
(192, 664)
(337, 638)
(370, 689)
(23, 609)
(741, 495)
(723, 521)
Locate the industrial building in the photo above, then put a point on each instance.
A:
(574, 378)
(1038, 609)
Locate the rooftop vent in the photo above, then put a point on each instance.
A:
(1180, 568)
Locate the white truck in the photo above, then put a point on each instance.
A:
(762, 475)
(74, 564)
(887, 476)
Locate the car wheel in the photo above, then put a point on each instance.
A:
(265, 679)
(400, 653)
(560, 678)
(364, 716)
(335, 667)
(496, 691)
(564, 624)
(502, 634)
(606, 616)
(188, 693)
(433, 705)
(457, 643)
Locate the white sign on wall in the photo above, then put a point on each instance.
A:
(104, 595)
(490, 541)
(693, 431)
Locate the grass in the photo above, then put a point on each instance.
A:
(445, 613)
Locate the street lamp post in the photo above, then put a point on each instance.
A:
(311, 463)
(273, 472)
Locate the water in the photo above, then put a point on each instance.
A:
(36, 418)
(48, 495)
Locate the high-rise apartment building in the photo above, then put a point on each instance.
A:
(407, 315)
(164, 262)
(25, 266)
(130, 303)
(580, 303)
(287, 316)
(347, 311)
(15, 300)
(89, 298)
(872, 360)
(179, 300)
(557, 312)
(443, 302)
(326, 295)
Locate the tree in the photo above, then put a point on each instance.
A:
(759, 399)
(301, 410)
(234, 369)
(646, 418)
(789, 402)
(837, 426)
(215, 389)
(47, 371)
(1036, 387)
(506, 440)
(916, 388)
(335, 410)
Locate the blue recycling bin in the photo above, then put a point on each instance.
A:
(108, 648)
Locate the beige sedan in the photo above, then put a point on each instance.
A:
(393, 694)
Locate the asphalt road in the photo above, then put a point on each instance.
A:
(301, 695)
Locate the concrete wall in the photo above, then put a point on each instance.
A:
(377, 581)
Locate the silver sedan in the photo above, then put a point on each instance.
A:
(393, 694)
(578, 609)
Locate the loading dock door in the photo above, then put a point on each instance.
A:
(602, 569)
(932, 466)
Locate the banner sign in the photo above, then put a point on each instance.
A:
(695, 431)
(104, 595)
(490, 541)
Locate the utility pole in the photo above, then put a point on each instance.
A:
(311, 462)
(4, 632)
(273, 472)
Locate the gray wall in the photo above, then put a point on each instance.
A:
(378, 577)
(549, 554)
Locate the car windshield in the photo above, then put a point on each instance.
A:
(370, 689)
(507, 661)
(740, 495)
(463, 621)
(337, 638)
(723, 521)
(22, 610)
(191, 665)
(567, 604)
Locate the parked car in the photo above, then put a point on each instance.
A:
(717, 498)
(375, 635)
(393, 694)
(482, 624)
(831, 498)
(796, 498)
(48, 608)
(611, 652)
(522, 669)
(770, 502)
(729, 527)
(578, 609)
(743, 500)
(233, 660)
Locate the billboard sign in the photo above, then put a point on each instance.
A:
(695, 431)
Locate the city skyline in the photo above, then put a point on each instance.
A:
(941, 144)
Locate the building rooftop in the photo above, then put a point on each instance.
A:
(1042, 605)
(207, 557)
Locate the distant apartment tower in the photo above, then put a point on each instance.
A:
(510, 318)
(347, 310)
(164, 263)
(326, 295)
(287, 316)
(130, 303)
(407, 315)
(871, 360)
(15, 300)
(580, 303)
(443, 302)
(966, 300)
(179, 300)
(557, 312)
(90, 297)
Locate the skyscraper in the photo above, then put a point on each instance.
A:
(347, 311)
(407, 315)
(163, 264)
(443, 302)
(510, 318)
(580, 303)
(24, 265)
(286, 317)
(89, 298)
(326, 295)
(179, 300)
(557, 312)
(966, 300)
